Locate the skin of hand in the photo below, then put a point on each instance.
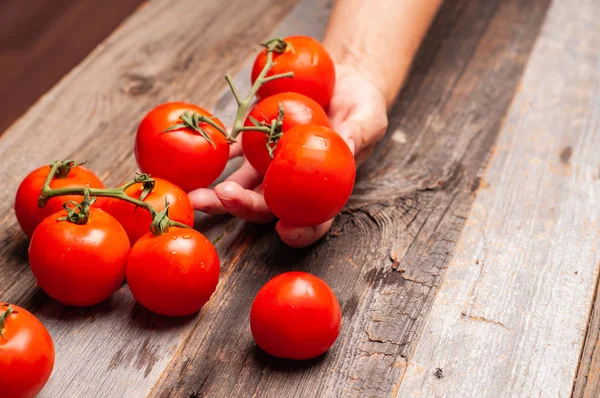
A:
(373, 56)
(357, 112)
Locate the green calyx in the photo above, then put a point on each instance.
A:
(64, 167)
(193, 121)
(78, 213)
(277, 45)
(3, 316)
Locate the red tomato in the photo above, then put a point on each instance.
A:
(314, 72)
(26, 353)
(29, 214)
(182, 156)
(296, 316)
(136, 221)
(299, 109)
(311, 176)
(79, 265)
(175, 273)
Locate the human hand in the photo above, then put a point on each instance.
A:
(357, 112)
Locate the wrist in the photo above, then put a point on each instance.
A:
(351, 60)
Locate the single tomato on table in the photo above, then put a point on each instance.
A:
(314, 71)
(174, 273)
(137, 220)
(182, 155)
(311, 176)
(26, 353)
(298, 110)
(296, 316)
(29, 214)
(79, 264)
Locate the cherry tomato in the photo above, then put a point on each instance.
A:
(299, 109)
(311, 176)
(182, 156)
(79, 264)
(296, 316)
(26, 353)
(29, 214)
(136, 221)
(175, 273)
(314, 72)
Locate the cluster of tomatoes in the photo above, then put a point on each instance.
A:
(86, 240)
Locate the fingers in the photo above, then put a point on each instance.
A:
(206, 200)
(243, 203)
(246, 176)
(235, 150)
(302, 236)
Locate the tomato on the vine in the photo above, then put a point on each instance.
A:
(296, 316)
(26, 353)
(182, 155)
(136, 220)
(298, 110)
(79, 264)
(314, 71)
(311, 177)
(29, 214)
(174, 273)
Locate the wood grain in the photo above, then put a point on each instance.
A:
(43, 40)
(385, 256)
(387, 253)
(512, 312)
(166, 51)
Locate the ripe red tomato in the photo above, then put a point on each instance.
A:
(182, 156)
(79, 265)
(314, 72)
(29, 214)
(175, 273)
(299, 109)
(295, 315)
(311, 176)
(136, 221)
(26, 353)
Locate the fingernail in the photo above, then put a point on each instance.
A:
(290, 236)
(229, 203)
(352, 145)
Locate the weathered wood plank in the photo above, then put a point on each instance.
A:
(387, 253)
(511, 315)
(167, 51)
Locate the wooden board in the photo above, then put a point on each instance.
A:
(385, 257)
(510, 317)
(387, 253)
(36, 46)
(166, 51)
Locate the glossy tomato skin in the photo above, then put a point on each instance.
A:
(136, 220)
(314, 71)
(26, 354)
(299, 110)
(296, 316)
(173, 274)
(79, 265)
(29, 214)
(181, 156)
(311, 176)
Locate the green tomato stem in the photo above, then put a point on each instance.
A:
(3, 316)
(118, 193)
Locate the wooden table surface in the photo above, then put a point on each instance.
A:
(466, 261)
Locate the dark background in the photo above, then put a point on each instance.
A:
(42, 40)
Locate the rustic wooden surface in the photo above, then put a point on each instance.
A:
(511, 315)
(387, 254)
(36, 49)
